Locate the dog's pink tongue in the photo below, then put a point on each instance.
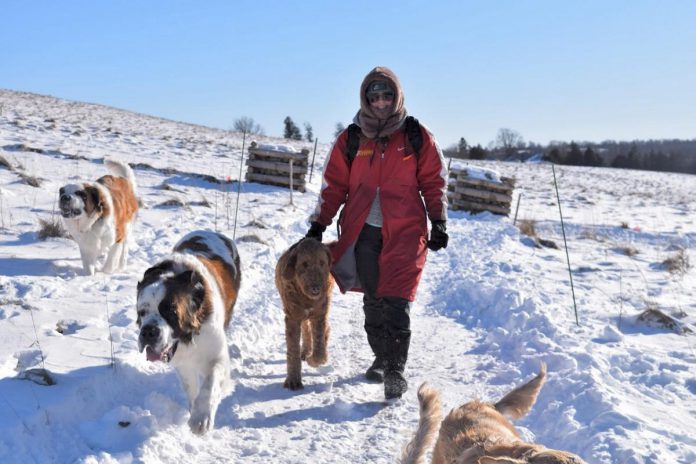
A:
(152, 355)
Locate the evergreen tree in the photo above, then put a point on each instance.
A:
(554, 156)
(462, 148)
(291, 130)
(309, 133)
(477, 152)
(590, 158)
(574, 155)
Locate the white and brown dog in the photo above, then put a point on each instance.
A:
(184, 305)
(479, 433)
(99, 215)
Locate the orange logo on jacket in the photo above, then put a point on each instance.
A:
(364, 152)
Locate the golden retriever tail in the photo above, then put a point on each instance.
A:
(428, 425)
(519, 401)
(121, 169)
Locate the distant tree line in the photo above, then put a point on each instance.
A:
(290, 129)
(654, 155)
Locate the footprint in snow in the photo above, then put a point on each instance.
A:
(69, 326)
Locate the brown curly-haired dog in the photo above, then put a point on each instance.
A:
(305, 284)
(478, 433)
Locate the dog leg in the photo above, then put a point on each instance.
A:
(89, 261)
(306, 340)
(320, 335)
(293, 381)
(206, 403)
(189, 380)
(112, 258)
(123, 259)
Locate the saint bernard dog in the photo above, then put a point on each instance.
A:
(99, 215)
(184, 305)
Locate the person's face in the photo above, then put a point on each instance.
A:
(381, 103)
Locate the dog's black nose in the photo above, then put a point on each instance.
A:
(149, 332)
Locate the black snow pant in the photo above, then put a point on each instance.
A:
(387, 319)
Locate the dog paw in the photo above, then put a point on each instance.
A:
(317, 360)
(293, 384)
(305, 354)
(199, 423)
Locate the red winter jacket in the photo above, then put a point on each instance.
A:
(409, 184)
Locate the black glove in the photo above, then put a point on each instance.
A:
(315, 231)
(438, 235)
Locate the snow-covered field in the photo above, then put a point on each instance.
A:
(490, 309)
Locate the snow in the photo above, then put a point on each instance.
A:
(476, 172)
(490, 309)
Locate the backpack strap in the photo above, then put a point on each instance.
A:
(413, 131)
(353, 143)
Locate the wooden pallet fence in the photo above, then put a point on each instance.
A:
(476, 195)
(270, 164)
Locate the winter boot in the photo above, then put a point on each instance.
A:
(375, 372)
(395, 383)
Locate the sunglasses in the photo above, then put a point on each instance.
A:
(375, 97)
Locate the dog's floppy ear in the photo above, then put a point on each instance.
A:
(193, 283)
(289, 269)
(189, 308)
(93, 197)
(329, 256)
(61, 191)
(197, 291)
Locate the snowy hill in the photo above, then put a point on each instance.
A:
(490, 309)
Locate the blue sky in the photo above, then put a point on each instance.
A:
(551, 70)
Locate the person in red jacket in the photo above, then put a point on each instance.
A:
(385, 192)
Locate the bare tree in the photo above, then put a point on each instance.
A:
(508, 140)
(248, 125)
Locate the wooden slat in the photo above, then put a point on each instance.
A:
(479, 207)
(276, 166)
(455, 196)
(495, 186)
(286, 155)
(484, 194)
(277, 180)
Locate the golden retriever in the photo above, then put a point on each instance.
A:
(305, 284)
(479, 433)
